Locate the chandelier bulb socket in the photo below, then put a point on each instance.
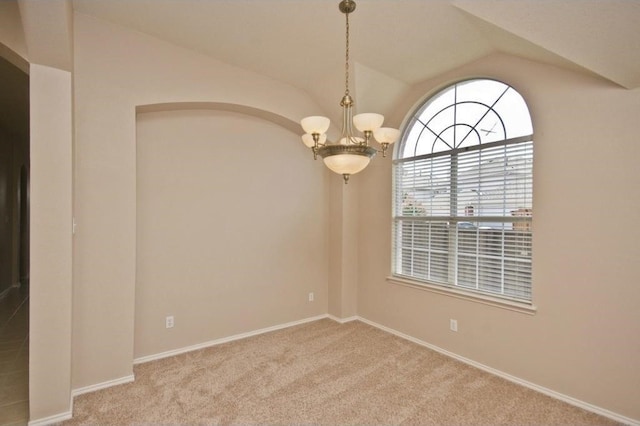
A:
(367, 136)
(385, 145)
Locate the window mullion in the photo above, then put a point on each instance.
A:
(453, 225)
(487, 248)
(505, 200)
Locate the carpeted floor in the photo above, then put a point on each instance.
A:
(321, 373)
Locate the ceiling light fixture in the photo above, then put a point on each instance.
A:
(352, 153)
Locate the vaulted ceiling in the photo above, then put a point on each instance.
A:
(394, 43)
(301, 41)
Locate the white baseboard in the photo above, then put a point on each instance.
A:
(130, 378)
(98, 386)
(127, 379)
(342, 320)
(220, 341)
(57, 418)
(557, 395)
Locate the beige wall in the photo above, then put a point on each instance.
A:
(51, 135)
(48, 32)
(50, 283)
(583, 340)
(231, 228)
(343, 250)
(115, 71)
(12, 43)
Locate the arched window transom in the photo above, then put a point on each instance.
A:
(463, 191)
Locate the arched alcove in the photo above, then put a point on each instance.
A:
(231, 225)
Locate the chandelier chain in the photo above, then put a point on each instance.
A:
(346, 64)
(350, 154)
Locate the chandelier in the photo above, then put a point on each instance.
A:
(352, 153)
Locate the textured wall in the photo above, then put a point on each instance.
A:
(231, 228)
(115, 71)
(583, 340)
(51, 241)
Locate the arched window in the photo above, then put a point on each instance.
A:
(463, 191)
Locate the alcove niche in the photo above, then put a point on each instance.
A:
(231, 225)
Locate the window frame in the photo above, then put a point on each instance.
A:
(452, 288)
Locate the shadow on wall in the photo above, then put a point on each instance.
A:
(221, 106)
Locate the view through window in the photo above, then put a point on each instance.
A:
(463, 191)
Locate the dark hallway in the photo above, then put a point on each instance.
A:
(14, 356)
(14, 245)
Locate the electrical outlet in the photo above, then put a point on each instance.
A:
(168, 322)
(310, 297)
(453, 325)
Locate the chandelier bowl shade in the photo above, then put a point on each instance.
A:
(386, 135)
(315, 124)
(368, 121)
(346, 159)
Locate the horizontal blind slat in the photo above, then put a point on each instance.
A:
(488, 239)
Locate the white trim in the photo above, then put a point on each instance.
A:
(342, 320)
(99, 386)
(557, 395)
(127, 379)
(222, 340)
(56, 418)
(465, 295)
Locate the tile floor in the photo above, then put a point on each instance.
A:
(14, 357)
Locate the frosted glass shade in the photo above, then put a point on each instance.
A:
(368, 121)
(315, 124)
(307, 139)
(386, 135)
(357, 139)
(346, 164)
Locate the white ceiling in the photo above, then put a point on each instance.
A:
(396, 43)
(408, 40)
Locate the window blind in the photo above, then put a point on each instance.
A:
(463, 218)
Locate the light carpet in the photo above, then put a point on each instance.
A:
(321, 373)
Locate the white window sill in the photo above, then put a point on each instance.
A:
(464, 295)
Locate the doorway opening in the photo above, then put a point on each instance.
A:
(14, 244)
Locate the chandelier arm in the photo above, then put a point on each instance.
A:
(367, 136)
(352, 154)
(385, 147)
(316, 140)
